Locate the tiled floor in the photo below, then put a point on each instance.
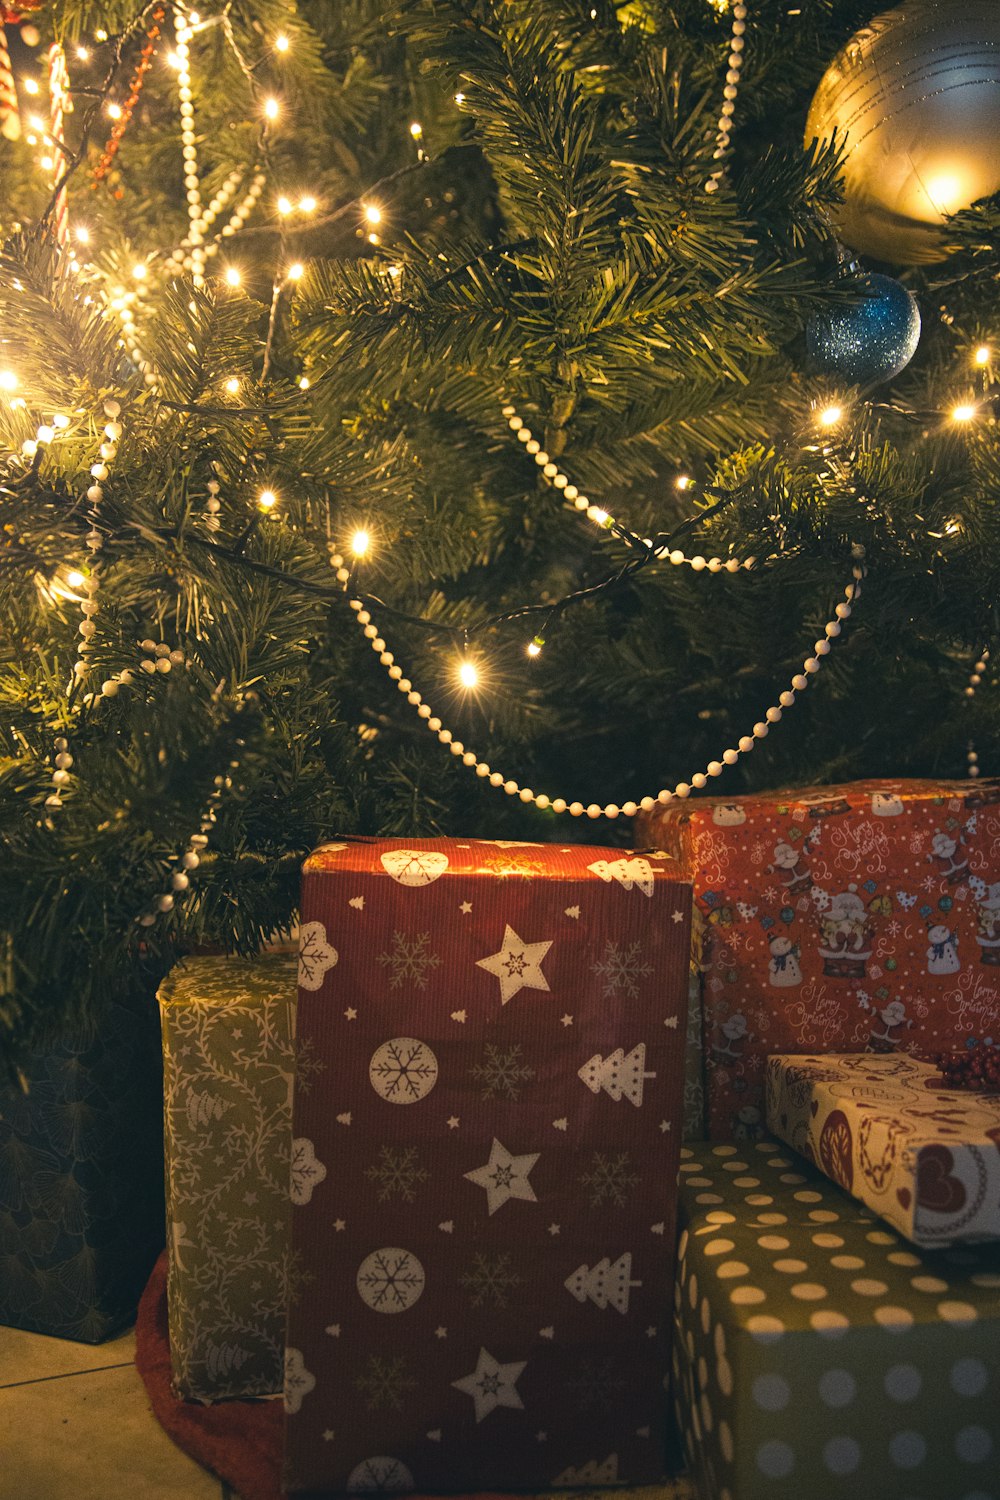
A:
(76, 1425)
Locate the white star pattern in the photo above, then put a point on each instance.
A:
(567, 1020)
(491, 1385)
(505, 1176)
(518, 965)
(676, 916)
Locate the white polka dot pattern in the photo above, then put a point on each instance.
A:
(822, 1357)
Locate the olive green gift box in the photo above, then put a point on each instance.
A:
(228, 1029)
(817, 1353)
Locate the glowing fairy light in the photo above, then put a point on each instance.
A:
(468, 674)
(360, 543)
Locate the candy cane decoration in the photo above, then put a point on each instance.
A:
(10, 120)
(60, 105)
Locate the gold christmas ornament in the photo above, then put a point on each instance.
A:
(917, 93)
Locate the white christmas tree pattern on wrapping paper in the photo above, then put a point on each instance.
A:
(517, 965)
(316, 956)
(491, 1385)
(306, 1171)
(379, 1475)
(409, 960)
(403, 1070)
(589, 1474)
(504, 1177)
(620, 1076)
(298, 1380)
(631, 874)
(414, 867)
(622, 968)
(390, 1280)
(604, 1284)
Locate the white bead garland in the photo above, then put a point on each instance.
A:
(602, 518)
(744, 744)
(975, 678)
(159, 659)
(188, 862)
(728, 109)
(196, 260)
(89, 606)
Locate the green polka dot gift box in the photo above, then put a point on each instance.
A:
(819, 1356)
(925, 1157)
(228, 1028)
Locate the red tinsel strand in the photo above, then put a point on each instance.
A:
(138, 79)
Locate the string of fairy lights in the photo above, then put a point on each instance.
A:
(192, 255)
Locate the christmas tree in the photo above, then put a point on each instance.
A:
(363, 365)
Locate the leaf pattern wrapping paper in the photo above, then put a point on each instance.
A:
(228, 1039)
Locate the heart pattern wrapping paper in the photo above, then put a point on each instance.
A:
(856, 918)
(885, 1129)
(484, 1186)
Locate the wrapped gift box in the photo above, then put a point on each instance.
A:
(925, 1157)
(81, 1195)
(842, 919)
(818, 1354)
(484, 1182)
(228, 1055)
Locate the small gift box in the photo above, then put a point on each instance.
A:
(925, 1157)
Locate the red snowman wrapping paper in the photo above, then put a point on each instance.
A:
(484, 1186)
(852, 918)
(925, 1157)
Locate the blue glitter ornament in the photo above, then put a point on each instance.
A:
(871, 341)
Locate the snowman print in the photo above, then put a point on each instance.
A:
(942, 950)
(783, 967)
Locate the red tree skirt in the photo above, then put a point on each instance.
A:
(242, 1441)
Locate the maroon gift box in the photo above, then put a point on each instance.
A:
(862, 917)
(483, 1178)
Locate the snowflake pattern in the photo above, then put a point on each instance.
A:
(316, 955)
(490, 1281)
(610, 1179)
(597, 1384)
(621, 968)
(398, 1171)
(390, 1280)
(403, 1070)
(502, 1074)
(307, 1065)
(306, 1171)
(409, 960)
(378, 1476)
(384, 1382)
